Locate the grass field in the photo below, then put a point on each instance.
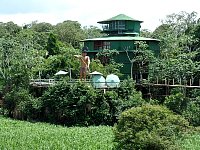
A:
(20, 135)
(191, 142)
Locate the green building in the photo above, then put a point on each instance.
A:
(122, 33)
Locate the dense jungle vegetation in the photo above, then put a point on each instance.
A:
(39, 50)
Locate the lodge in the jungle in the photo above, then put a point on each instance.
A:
(122, 32)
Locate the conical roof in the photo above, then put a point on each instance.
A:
(119, 17)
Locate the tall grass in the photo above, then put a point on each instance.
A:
(190, 142)
(21, 135)
(15, 135)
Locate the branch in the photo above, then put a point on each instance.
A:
(128, 55)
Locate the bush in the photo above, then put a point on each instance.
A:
(192, 112)
(68, 104)
(81, 104)
(176, 102)
(109, 105)
(149, 127)
(129, 96)
(20, 104)
(188, 107)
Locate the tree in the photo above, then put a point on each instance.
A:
(70, 32)
(15, 65)
(181, 69)
(107, 62)
(173, 34)
(42, 27)
(92, 32)
(146, 33)
(52, 45)
(141, 57)
(9, 28)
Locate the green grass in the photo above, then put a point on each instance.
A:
(190, 142)
(15, 135)
(21, 135)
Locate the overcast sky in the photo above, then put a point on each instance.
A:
(89, 12)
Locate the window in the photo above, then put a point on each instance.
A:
(98, 45)
(106, 45)
(121, 24)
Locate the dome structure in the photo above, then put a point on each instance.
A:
(98, 80)
(112, 81)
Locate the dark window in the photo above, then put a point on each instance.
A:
(106, 45)
(98, 45)
(121, 24)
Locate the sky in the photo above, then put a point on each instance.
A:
(89, 12)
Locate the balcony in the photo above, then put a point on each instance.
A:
(113, 28)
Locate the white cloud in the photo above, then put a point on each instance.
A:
(89, 12)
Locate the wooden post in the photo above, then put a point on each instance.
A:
(156, 80)
(165, 81)
(173, 81)
(190, 82)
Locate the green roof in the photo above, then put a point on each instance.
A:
(121, 38)
(119, 17)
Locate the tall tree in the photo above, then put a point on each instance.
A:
(92, 32)
(70, 32)
(173, 34)
(139, 59)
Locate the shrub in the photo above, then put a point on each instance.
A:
(20, 104)
(148, 127)
(188, 107)
(111, 104)
(129, 96)
(176, 102)
(192, 111)
(81, 104)
(68, 104)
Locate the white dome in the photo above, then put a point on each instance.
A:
(112, 81)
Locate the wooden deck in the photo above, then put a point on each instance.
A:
(50, 82)
(42, 82)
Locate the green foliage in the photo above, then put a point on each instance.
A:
(60, 57)
(52, 45)
(42, 27)
(105, 62)
(177, 102)
(187, 106)
(129, 95)
(92, 32)
(20, 104)
(68, 104)
(69, 32)
(81, 104)
(178, 49)
(145, 33)
(192, 111)
(20, 134)
(112, 67)
(173, 33)
(106, 55)
(14, 64)
(182, 68)
(139, 58)
(9, 28)
(148, 127)
(190, 141)
(25, 135)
